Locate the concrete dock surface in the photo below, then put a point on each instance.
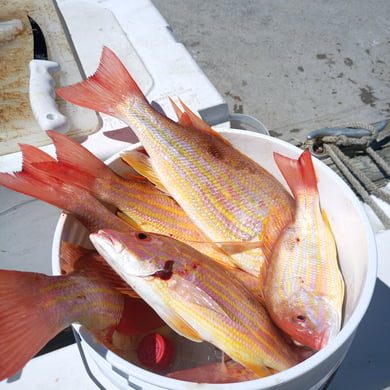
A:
(297, 65)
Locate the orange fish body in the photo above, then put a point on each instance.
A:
(303, 287)
(226, 194)
(35, 307)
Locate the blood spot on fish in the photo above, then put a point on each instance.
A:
(298, 239)
(166, 272)
(214, 151)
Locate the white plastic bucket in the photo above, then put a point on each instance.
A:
(358, 259)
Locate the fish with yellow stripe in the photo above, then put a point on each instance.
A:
(304, 287)
(35, 307)
(66, 192)
(232, 199)
(139, 202)
(197, 297)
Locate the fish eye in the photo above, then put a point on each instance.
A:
(299, 318)
(143, 236)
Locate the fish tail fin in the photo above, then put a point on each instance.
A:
(32, 154)
(24, 328)
(110, 86)
(76, 165)
(299, 174)
(87, 209)
(26, 183)
(41, 166)
(71, 153)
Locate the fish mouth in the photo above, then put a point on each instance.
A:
(104, 239)
(326, 336)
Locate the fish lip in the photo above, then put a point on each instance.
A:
(102, 233)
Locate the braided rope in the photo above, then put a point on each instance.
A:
(339, 159)
(329, 144)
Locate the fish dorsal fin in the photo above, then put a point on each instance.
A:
(200, 124)
(142, 164)
(70, 253)
(182, 118)
(190, 119)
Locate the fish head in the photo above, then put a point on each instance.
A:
(134, 254)
(309, 319)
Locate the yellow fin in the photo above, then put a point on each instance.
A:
(231, 247)
(124, 217)
(234, 247)
(142, 164)
(200, 124)
(261, 371)
(182, 118)
(326, 219)
(184, 329)
(189, 118)
(178, 323)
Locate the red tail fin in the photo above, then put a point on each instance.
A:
(88, 210)
(24, 327)
(75, 155)
(109, 86)
(299, 174)
(70, 253)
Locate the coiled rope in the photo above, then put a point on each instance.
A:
(325, 143)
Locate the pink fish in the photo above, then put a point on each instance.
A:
(304, 287)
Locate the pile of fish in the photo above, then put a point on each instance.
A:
(203, 240)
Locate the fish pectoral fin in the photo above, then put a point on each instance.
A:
(235, 247)
(176, 321)
(326, 219)
(124, 217)
(261, 371)
(185, 329)
(198, 307)
(142, 164)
